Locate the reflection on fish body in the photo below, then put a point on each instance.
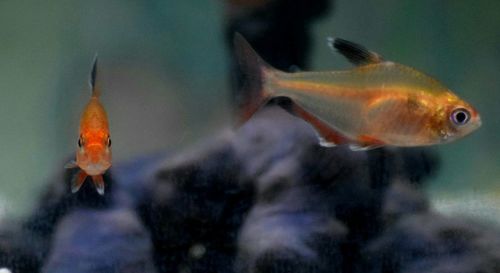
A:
(93, 155)
(377, 103)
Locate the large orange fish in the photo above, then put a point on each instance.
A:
(375, 104)
(93, 155)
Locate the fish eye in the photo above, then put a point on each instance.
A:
(460, 116)
(80, 142)
(108, 141)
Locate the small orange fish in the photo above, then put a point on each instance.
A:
(375, 104)
(93, 155)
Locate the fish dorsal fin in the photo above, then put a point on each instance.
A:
(93, 79)
(355, 53)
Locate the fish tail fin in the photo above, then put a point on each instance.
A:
(77, 181)
(98, 183)
(255, 74)
(96, 92)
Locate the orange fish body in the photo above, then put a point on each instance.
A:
(375, 104)
(93, 155)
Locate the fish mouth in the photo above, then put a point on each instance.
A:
(95, 169)
(478, 122)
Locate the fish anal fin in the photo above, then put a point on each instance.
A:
(355, 53)
(370, 140)
(77, 181)
(70, 165)
(328, 136)
(98, 183)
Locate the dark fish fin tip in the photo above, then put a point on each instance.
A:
(355, 53)
(93, 77)
(93, 72)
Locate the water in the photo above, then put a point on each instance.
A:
(165, 77)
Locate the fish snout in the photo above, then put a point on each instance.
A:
(95, 159)
(96, 168)
(478, 122)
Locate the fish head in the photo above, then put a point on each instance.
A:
(94, 153)
(458, 119)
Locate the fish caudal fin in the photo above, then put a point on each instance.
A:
(77, 181)
(93, 79)
(254, 72)
(98, 183)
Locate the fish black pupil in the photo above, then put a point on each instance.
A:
(460, 116)
(80, 142)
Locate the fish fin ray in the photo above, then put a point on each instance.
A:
(93, 79)
(359, 147)
(70, 165)
(365, 143)
(254, 93)
(77, 181)
(98, 183)
(355, 53)
(327, 136)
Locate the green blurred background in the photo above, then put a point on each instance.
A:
(163, 67)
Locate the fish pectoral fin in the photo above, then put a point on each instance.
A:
(98, 183)
(70, 165)
(355, 53)
(327, 136)
(77, 181)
